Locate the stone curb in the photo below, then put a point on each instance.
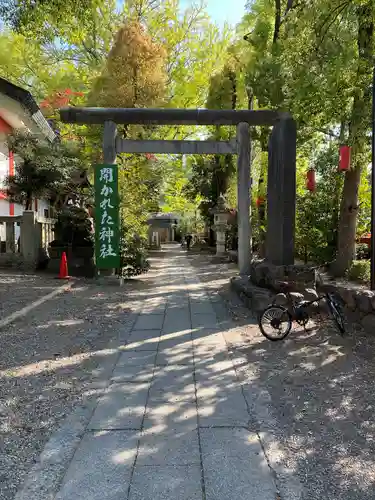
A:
(258, 290)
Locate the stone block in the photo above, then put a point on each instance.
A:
(296, 296)
(204, 320)
(220, 405)
(121, 407)
(166, 482)
(235, 466)
(368, 323)
(255, 298)
(347, 296)
(164, 417)
(310, 294)
(149, 322)
(363, 300)
(101, 468)
(169, 448)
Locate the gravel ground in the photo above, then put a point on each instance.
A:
(320, 385)
(47, 360)
(17, 290)
(321, 395)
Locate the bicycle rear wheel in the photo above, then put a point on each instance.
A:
(336, 313)
(275, 323)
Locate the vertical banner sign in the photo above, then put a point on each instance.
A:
(107, 220)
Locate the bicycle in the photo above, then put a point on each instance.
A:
(280, 319)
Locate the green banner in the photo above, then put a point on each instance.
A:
(107, 219)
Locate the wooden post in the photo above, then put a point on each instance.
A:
(243, 197)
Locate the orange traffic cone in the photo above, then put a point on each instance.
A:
(63, 275)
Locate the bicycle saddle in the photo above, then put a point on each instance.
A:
(285, 286)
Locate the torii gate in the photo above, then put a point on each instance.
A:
(281, 190)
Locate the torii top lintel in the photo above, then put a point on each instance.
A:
(165, 116)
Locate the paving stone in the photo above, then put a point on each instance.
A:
(151, 308)
(121, 407)
(235, 466)
(169, 448)
(139, 358)
(180, 417)
(182, 355)
(143, 340)
(149, 322)
(221, 406)
(173, 385)
(134, 366)
(145, 335)
(201, 306)
(177, 323)
(176, 339)
(205, 332)
(101, 467)
(166, 483)
(178, 310)
(204, 320)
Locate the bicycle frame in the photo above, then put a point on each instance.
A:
(307, 303)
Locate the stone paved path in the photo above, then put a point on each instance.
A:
(173, 422)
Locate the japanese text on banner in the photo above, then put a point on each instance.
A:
(107, 232)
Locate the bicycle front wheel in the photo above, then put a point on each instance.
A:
(336, 313)
(275, 323)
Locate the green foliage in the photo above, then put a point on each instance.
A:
(43, 15)
(359, 271)
(73, 227)
(42, 169)
(318, 212)
(174, 199)
(213, 176)
(133, 254)
(315, 60)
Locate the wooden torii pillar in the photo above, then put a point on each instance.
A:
(281, 170)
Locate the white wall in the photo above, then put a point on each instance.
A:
(4, 170)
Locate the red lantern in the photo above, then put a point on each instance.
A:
(344, 163)
(259, 201)
(311, 182)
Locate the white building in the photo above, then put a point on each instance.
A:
(18, 111)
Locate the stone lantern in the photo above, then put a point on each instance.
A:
(221, 215)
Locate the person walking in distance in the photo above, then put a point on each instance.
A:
(188, 239)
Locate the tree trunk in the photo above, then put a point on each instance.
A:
(338, 196)
(357, 136)
(277, 20)
(348, 221)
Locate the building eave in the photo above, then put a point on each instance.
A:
(29, 106)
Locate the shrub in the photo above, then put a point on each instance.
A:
(73, 227)
(359, 271)
(133, 254)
